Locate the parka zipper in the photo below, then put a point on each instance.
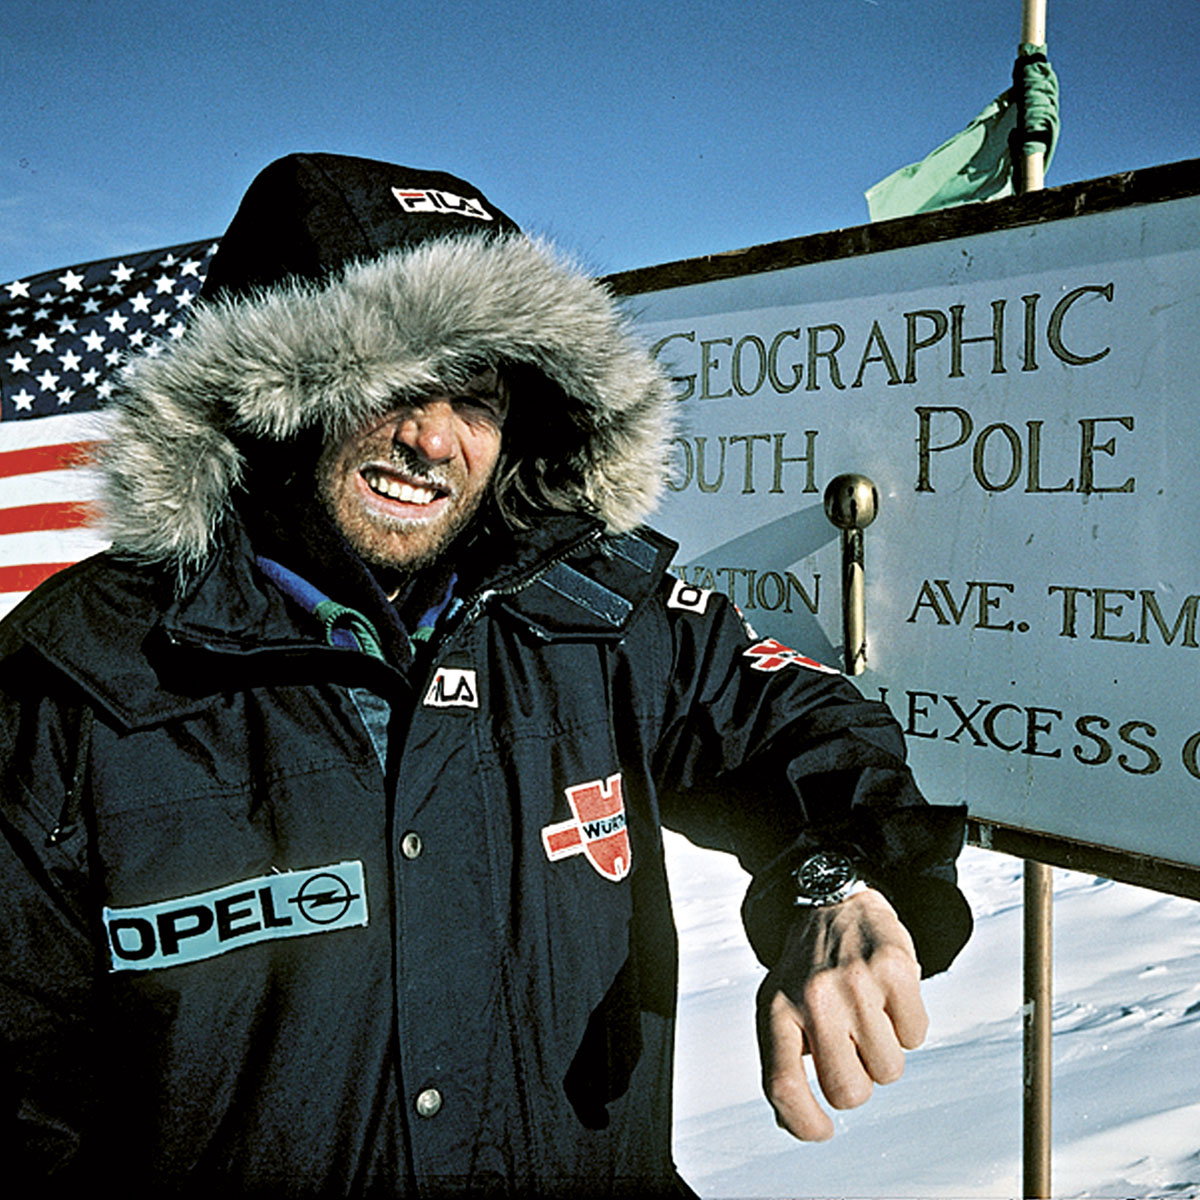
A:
(473, 607)
(72, 806)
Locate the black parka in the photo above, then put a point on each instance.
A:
(529, 998)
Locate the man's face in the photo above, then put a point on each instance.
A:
(403, 486)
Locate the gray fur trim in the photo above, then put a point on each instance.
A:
(330, 356)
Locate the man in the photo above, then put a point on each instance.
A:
(333, 793)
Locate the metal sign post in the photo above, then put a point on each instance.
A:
(1039, 891)
(1039, 997)
(851, 502)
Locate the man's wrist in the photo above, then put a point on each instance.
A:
(826, 878)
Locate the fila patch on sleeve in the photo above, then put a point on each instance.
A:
(191, 928)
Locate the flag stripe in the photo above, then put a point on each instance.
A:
(90, 426)
(9, 601)
(65, 514)
(53, 545)
(49, 487)
(46, 458)
(26, 576)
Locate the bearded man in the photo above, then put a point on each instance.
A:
(334, 792)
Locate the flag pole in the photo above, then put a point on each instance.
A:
(1039, 878)
(1039, 893)
(1031, 170)
(1039, 998)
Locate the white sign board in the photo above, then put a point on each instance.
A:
(1025, 400)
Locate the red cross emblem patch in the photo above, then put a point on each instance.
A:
(770, 655)
(598, 828)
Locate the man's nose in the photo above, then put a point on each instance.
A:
(428, 429)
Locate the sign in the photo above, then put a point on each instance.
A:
(1019, 380)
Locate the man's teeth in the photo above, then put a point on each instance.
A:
(406, 493)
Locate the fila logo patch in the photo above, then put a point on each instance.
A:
(689, 597)
(453, 687)
(430, 200)
(203, 925)
(770, 655)
(597, 829)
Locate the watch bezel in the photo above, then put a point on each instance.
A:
(825, 878)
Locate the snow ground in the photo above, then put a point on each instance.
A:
(1126, 1110)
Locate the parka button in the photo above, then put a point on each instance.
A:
(411, 845)
(429, 1102)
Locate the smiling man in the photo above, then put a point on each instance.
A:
(402, 487)
(334, 793)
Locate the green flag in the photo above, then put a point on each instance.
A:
(976, 164)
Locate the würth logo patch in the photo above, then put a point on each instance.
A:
(205, 924)
(453, 687)
(770, 655)
(432, 200)
(598, 829)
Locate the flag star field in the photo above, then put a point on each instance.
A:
(66, 334)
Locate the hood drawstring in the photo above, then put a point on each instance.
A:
(330, 613)
(343, 626)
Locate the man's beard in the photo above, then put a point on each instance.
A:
(424, 543)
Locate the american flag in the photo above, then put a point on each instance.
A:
(64, 334)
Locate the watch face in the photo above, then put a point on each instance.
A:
(824, 874)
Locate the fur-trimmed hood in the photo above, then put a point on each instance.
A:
(323, 356)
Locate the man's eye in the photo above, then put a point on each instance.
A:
(489, 407)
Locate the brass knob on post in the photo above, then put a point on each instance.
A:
(851, 503)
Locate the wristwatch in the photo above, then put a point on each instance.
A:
(825, 878)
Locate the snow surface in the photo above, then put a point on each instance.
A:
(1126, 1109)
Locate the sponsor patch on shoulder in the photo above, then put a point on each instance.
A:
(205, 924)
(688, 597)
(770, 655)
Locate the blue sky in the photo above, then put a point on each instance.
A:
(631, 133)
